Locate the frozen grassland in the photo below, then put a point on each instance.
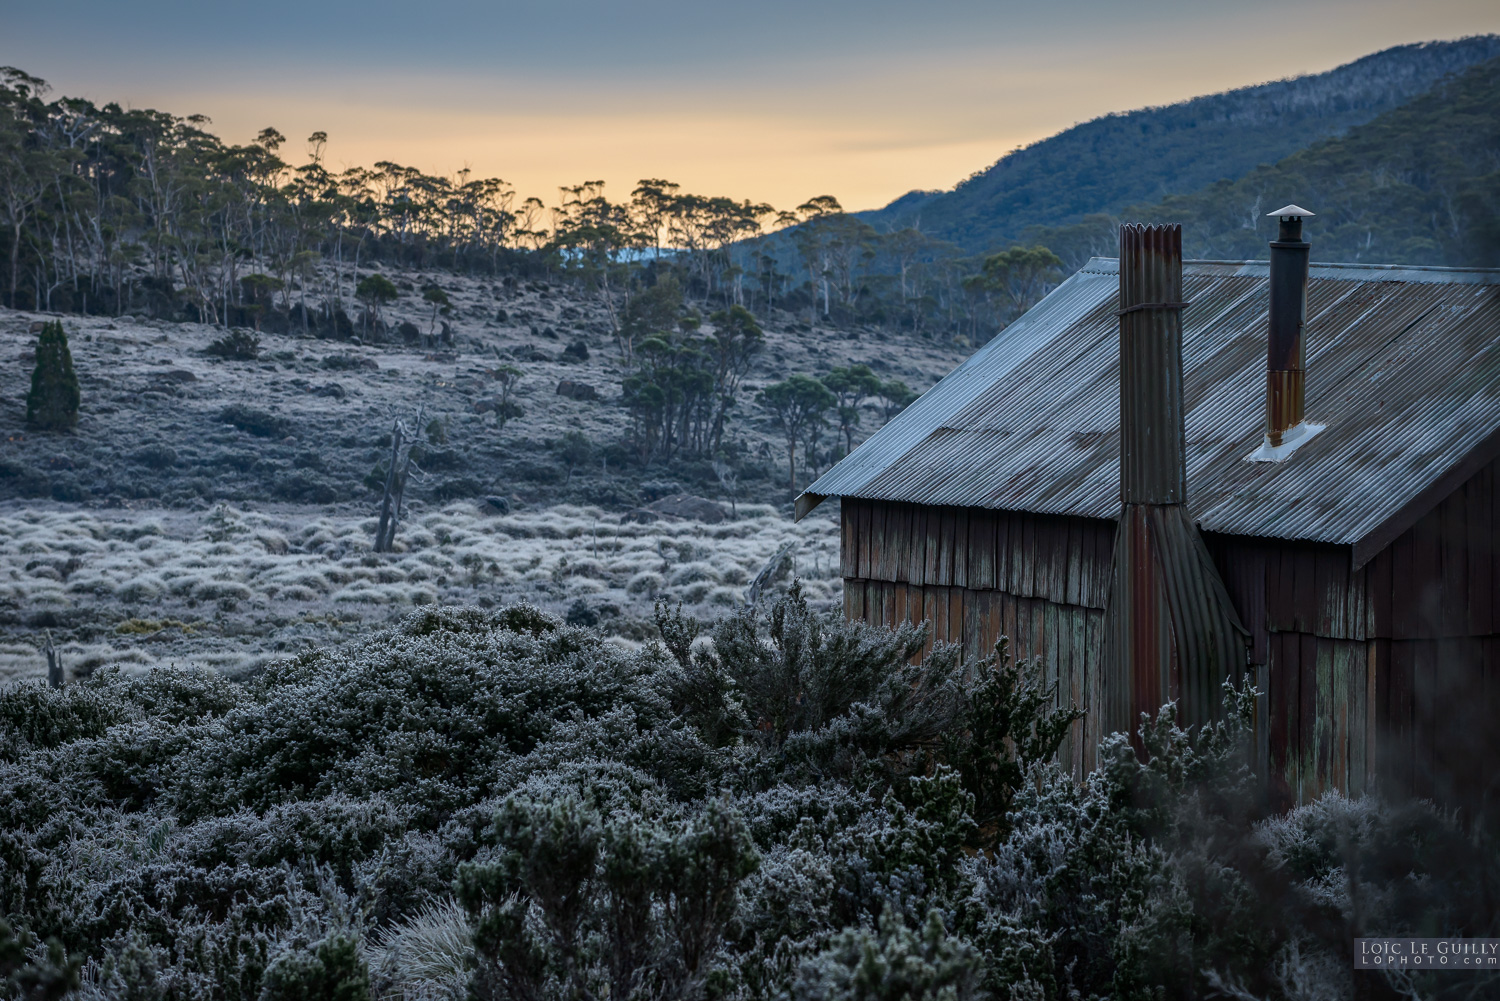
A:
(166, 424)
(233, 589)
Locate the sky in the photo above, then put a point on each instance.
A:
(772, 100)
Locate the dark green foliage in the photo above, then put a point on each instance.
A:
(893, 963)
(800, 405)
(895, 396)
(653, 310)
(52, 403)
(681, 396)
(1018, 277)
(47, 980)
(375, 290)
(438, 299)
(580, 614)
(850, 386)
(343, 363)
(797, 672)
(462, 488)
(238, 344)
(156, 456)
(576, 902)
(33, 717)
(1010, 722)
(573, 449)
(331, 970)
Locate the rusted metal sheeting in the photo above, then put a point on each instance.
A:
(1171, 633)
(1403, 366)
(1152, 457)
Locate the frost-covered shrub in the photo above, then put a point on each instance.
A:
(811, 679)
(893, 963)
(776, 805)
(428, 715)
(32, 716)
(255, 422)
(330, 970)
(577, 901)
(646, 582)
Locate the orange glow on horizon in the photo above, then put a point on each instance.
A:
(865, 130)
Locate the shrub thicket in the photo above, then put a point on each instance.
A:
(500, 805)
(238, 344)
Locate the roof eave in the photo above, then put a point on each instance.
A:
(806, 501)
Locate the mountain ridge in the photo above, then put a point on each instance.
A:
(1419, 184)
(1145, 155)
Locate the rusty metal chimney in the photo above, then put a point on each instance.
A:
(1153, 463)
(1171, 631)
(1286, 357)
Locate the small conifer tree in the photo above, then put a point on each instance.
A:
(52, 404)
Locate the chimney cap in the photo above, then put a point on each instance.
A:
(1291, 212)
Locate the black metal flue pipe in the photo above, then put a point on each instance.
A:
(1286, 370)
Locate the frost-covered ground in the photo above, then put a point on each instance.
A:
(233, 589)
(164, 423)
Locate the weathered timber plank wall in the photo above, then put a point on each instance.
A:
(977, 575)
(1391, 670)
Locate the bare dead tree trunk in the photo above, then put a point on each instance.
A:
(395, 486)
(385, 530)
(390, 538)
(54, 662)
(752, 593)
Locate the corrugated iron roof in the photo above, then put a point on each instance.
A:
(1403, 368)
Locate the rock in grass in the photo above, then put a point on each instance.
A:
(690, 507)
(577, 390)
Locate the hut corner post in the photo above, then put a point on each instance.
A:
(1171, 631)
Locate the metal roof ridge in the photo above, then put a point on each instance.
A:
(1342, 270)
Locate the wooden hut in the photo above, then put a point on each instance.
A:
(1358, 550)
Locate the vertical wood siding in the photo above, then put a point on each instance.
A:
(1388, 673)
(976, 575)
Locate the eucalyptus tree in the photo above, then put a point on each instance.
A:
(651, 204)
(592, 233)
(438, 299)
(374, 291)
(26, 171)
(811, 238)
(799, 405)
(732, 348)
(1020, 275)
(850, 387)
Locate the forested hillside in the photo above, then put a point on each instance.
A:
(1119, 160)
(1418, 185)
